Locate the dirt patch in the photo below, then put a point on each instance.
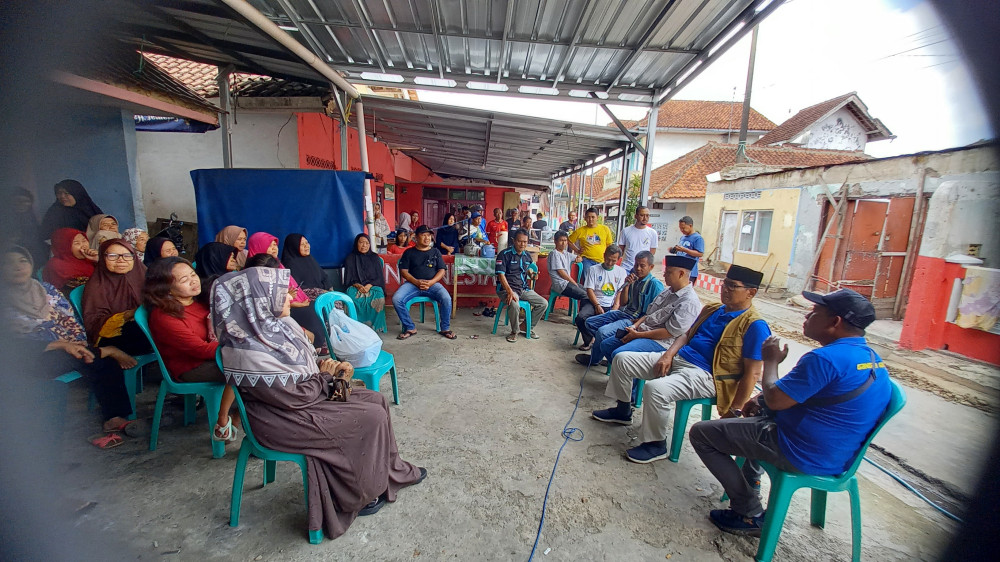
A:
(920, 381)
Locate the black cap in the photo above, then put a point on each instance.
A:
(745, 275)
(850, 305)
(687, 262)
(424, 228)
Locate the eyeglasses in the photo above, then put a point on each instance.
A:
(733, 286)
(119, 257)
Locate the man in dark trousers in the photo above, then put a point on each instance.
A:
(422, 267)
(819, 414)
(514, 270)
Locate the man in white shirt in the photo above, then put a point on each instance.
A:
(560, 264)
(640, 237)
(603, 284)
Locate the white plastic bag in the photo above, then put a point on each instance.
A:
(351, 340)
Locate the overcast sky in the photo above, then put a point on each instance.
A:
(896, 54)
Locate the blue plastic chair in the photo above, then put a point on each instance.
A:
(525, 306)
(250, 446)
(784, 484)
(437, 312)
(212, 391)
(372, 374)
(682, 411)
(133, 376)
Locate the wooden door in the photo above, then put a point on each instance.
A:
(728, 234)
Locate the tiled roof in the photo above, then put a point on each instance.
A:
(684, 178)
(699, 114)
(801, 121)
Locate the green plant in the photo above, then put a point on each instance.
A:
(632, 197)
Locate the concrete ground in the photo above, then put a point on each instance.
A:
(485, 417)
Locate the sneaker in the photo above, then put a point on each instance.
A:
(612, 415)
(583, 359)
(372, 508)
(648, 452)
(731, 522)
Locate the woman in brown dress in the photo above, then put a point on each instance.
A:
(352, 461)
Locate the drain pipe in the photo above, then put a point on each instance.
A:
(359, 107)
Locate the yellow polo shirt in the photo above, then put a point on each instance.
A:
(592, 240)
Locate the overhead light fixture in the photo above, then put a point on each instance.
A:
(489, 86)
(288, 27)
(427, 81)
(379, 77)
(538, 91)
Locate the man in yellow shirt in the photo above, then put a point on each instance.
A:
(590, 240)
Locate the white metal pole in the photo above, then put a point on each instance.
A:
(363, 146)
(224, 104)
(647, 163)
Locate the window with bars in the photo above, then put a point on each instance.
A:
(755, 231)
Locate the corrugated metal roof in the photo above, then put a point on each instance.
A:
(627, 51)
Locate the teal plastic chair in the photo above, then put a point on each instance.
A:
(526, 307)
(437, 312)
(133, 376)
(682, 411)
(250, 446)
(784, 484)
(573, 303)
(212, 391)
(372, 374)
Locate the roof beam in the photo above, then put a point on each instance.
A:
(503, 40)
(380, 54)
(307, 33)
(571, 50)
(621, 127)
(437, 39)
(489, 133)
(647, 36)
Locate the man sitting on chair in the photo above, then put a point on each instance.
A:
(422, 267)
(514, 269)
(817, 416)
(718, 357)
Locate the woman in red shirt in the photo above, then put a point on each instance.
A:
(180, 326)
(403, 243)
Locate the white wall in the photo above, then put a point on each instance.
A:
(665, 220)
(840, 131)
(672, 145)
(166, 159)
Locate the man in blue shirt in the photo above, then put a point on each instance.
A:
(823, 410)
(514, 270)
(719, 356)
(691, 243)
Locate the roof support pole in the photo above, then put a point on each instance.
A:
(647, 163)
(225, 104)
(623, 193)
(363, 146)
(741, 149)
(307, 56)
(621, 127)
(344, 159)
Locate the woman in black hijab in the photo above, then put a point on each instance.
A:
(365, 281)
(297, 256)
(72, 209)
(215, 259)
(159, 247)
(19, 225)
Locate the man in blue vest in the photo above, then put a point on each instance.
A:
(818, 415)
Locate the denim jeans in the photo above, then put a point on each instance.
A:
(408, 291)
(604, 326)
(586, 264)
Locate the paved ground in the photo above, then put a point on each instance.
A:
(485, 417)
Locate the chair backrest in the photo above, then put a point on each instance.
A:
(897, 399)
(76, 299)
(324, 305)
(239, 403)
(142, 319)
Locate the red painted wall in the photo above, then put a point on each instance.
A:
(924, 325)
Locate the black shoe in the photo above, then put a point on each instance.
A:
(423, 474)
(583, 359)
(372, 508)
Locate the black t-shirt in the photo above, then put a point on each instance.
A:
(422, 264)
(539, 225)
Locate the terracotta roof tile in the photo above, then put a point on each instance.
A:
(700, 114)
(805, 117)
(684, 178)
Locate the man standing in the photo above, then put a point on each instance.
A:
(603, 285)
(635, 300)
(720, 356)
(639, 237)
(823, 410)
(514, 268)
(691, 243)
(422, 267)
(591, 240)
(560, 264)
(540, 224)
(495, 227)
(569, 225)
(513, 219)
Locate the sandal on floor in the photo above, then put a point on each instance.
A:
(534, 335)
(512, 338)
(449, 334)
(109, 441)
(405, 335)
(225, 433)
(131, 428)
(585, 347)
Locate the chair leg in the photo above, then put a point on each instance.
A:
(395, 385)
(682, 410)
(130, 384)
(852, 491)
(270, 471)
(238, 474)
(548, 309)
(777, 509)
(496, 321)
(421, 313)
(190, 408)
(706, 412)
(575, 339)
(638, 395)
(817, 508)
(212, 402)
(154, 431)
(437, 317)
(527, 322)
(315, 535)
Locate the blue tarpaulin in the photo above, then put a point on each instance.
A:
(325, 206)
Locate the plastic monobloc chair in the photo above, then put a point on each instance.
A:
(212, 391)
(784, 484)
(385, 363)
(682, 411)
(437, 312)
(250, 446)
(525, 306)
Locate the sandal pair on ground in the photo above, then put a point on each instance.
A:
(406, 335)
(112, 436)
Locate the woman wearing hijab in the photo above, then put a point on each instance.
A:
(365, 280)
(235, 236)
(402, 243)
(157, 248)
(404, 222)
(297, 256)
(215, 259)
(72, 261)
(352, 463)
(447, 236)
(45, 327)
(101, 222)
(264, 243)
(138, 238)
(305, 316)
(382, 229)
(19, 225)
(111, 297)
(72, 209)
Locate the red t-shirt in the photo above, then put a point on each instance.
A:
(183, 343)
(494, 228)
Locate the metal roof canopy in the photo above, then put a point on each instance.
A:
(488, 145)
(635, 52)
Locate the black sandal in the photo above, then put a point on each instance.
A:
(449, 334)
(406, 335)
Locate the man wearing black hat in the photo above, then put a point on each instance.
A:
(422, 267)
(819, 414)
(719, 356)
